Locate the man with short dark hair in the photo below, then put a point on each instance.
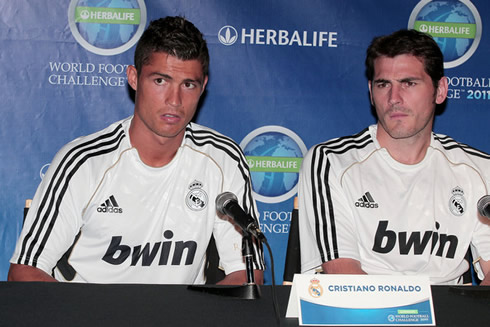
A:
(135, 202)
(397, 198)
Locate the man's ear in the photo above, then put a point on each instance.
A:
(370, 93)
(132, 75)
(441, 92)
(205, 82)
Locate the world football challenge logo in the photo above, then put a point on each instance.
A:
(107, 27)
(455, 26)
(274, 155)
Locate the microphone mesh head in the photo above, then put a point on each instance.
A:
(483, 206)
(223, 199)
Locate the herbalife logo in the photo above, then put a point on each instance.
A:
(454, 30)
(274, 155)
(107, 15)
(110, 206)
(455, 25)
(227, 35)
(104, 28)
(366, 201)
(274, 164)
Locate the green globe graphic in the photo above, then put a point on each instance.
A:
(449, 12)
(273, 144)
(107, 36)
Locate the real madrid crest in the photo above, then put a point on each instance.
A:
(315, 289)
(457, 202)
(196, 199)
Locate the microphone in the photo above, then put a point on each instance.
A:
(483, 206)
(227, 204)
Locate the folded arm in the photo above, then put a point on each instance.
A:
(25, 273)
(485, 266)
(240, 278)
(343, 266)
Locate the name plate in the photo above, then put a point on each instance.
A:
(361, 300)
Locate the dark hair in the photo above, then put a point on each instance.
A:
(173, 35)
(409, 42)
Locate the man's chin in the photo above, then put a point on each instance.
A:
(171, 133)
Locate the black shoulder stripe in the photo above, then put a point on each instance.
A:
(319, 202)
(449, 143)
(469, 151)
(57, 189)
(58, 185)
(322, 197)
(341, 141)
(225, 144)
(63, 191)
(242, 166)
(203, 134)
(344, 147)
(232, 149)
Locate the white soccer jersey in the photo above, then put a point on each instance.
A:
(356, 201)
(135, 223)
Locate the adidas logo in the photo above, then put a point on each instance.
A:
(366, 201)
(110, 206)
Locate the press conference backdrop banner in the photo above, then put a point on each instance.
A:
(284, 76)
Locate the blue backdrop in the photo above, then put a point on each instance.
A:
(284, 76)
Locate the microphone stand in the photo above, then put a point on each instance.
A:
(247, 253)
(248, 291)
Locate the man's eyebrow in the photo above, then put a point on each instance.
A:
(168, 77)
(403, 80)
(162, 75)
(409, 79)
(190, 80)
